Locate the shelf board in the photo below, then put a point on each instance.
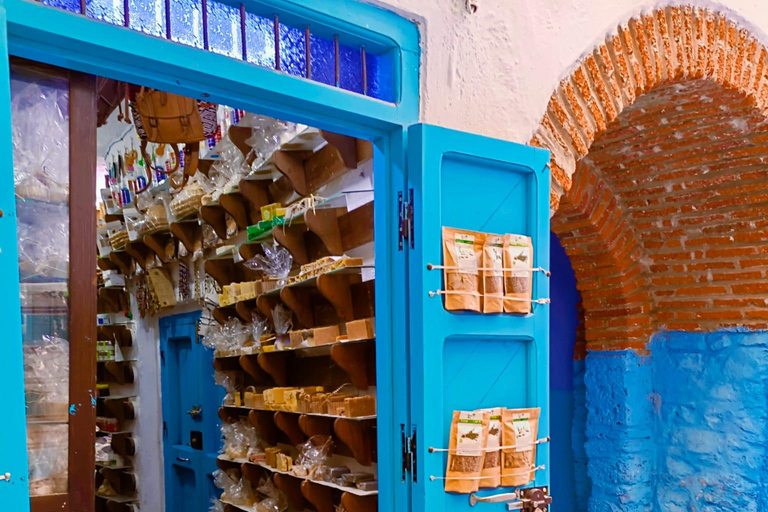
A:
(312, 351)
(118, 499)
(350, 490)
(105, 466)
(332, 416)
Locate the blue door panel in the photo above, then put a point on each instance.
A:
(468, 361)
(187, 377)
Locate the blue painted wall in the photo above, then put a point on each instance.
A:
(685, 429)
(563, 398)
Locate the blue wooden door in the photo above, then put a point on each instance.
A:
(190, 421)
(469, 361)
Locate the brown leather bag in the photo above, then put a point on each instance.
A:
(168, 118)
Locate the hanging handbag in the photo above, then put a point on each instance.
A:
(167, 118)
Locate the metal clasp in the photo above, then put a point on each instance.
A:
(195, 412)
(6, 477)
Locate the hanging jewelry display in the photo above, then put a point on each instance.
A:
(184, 293)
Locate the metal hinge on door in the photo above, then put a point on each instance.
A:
(408, 453)
(405, 217)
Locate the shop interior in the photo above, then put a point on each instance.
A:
(234, 365)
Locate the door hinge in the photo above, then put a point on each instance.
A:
(409, 453)
(405, 216)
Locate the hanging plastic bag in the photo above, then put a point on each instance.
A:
(276, 500)
(275, 263)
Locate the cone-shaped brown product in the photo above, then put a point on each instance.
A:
(465, 456)
(518, 456)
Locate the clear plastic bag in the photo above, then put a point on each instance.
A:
(216, 506)
(282, 318)
(46, 379)
(187, 201)
(239, 437)
(275, 263)
(276, 500)
(259, 327)
(314, 454)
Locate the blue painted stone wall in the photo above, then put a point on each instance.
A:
(565, 482)
(620, 421)
(712, 420)
(682, 430)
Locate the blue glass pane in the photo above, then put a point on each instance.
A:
(68, 5)
(147, 16)
(292, 51)
(380, 82)
(350, 69)
(110, 11)
(224, 30)
(187, 22)
(322, 60)
(260, 39)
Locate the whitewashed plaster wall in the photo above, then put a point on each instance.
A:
(494, 71)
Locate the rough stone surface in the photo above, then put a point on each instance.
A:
(685, 429)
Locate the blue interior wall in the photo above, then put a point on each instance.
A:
(563, 397)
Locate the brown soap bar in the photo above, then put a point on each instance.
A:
(325, 335)
(368, 485)
(352, 479)
(338, 472)
(364, 329)
(360, 406)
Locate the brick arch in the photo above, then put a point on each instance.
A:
(672, 95)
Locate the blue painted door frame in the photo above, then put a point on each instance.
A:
(34, 31)
(187, 382)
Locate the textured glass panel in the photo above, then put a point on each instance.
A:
(292, 51)
(110, 11)
(379, 71)
(321, 56)
(40, 119)
(68, 5)
(187, 22)
(260, 39)
(148, 16)
(224, 30)
(351, 69)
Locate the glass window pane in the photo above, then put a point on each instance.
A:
(111, 11)
(224, 35)
(40, 117)
(321, 56)
(260, 38)
(379, 72)
(350, 69)
(187, 22)
(68, 5)
(147, 16)
(292, 51)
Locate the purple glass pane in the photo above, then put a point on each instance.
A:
(350, 69)
(292, 51)
(187, 22)
(379, 71)
(110, 11)
(147, 16)
(322, 60)
(224, 30)
(67, 5)
(260, 39)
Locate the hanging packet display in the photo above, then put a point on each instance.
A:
(491, 471)
(462, 256)
(518, 277)
(465, 451)
(518, 455)
(493, 280)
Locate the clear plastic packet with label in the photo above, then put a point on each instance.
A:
(462, 257)
(465, 451)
